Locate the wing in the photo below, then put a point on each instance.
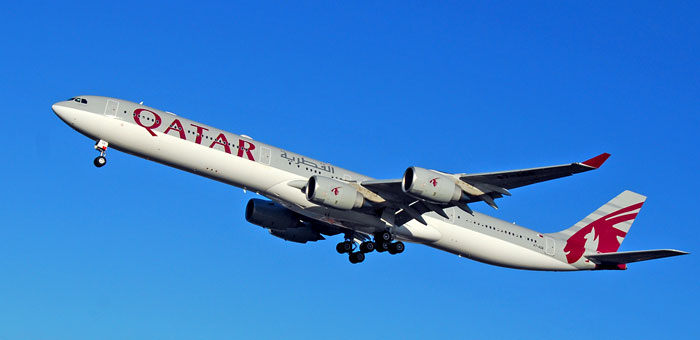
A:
(478, 187)
(614, 259)
(518, 178)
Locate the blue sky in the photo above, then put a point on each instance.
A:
(138, 250)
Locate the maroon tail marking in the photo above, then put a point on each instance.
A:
(605, 233)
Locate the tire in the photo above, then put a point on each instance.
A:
(396, 248)
(381, 246)
(343, 247)
(347, 246)
(399, 247)
(356, 257)
(100, 161)
(367, 247)
(385, 236)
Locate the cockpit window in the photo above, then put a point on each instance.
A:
(83, 100)
(79, 100)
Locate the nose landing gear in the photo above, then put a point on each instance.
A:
(101, 160)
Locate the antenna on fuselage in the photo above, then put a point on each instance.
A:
(141, 103)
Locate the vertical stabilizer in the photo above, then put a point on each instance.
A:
(603, 230)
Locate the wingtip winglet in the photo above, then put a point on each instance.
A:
(597, 161)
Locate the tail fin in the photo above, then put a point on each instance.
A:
(604, 229)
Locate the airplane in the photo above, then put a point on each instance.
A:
(308, 199)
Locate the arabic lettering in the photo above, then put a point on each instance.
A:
(303, 161)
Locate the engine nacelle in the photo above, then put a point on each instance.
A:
(430, 185)
(270, 215)
(333, 193)
(300, 235)
(281, 222)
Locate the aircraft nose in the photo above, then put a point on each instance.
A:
(58, 109)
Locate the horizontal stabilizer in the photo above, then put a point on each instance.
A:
(613, 259)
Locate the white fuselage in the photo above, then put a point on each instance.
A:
(242, 162)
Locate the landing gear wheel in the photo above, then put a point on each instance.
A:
(396, 248)
(101, 146)
(367, 247)
(356, 257)
(344, 247)
(381, 246)
(100, 161)
(383, 236)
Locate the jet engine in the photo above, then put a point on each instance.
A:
(430, 185)
(299, 235)
(333, 193)
(280, 221)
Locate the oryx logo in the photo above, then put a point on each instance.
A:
(433, 181)
(335, 190)
(600, 234)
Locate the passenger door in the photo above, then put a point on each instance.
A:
(111, 108)
(550, 246)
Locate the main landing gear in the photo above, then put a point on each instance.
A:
(382, 242)
(101, 160)
(354, 256)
